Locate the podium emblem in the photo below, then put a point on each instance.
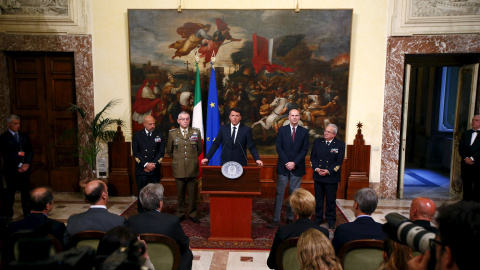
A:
(232, 170)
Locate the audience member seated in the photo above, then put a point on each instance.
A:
(303, 205)
(121, 237)
(395, 256)
(315, 252)
(41, 202)
(97, 217)
(456, 245)
(154, 221)
(422, 211)
(364, 227)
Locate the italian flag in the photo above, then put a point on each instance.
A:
(197, 118)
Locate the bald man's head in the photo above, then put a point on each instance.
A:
(422, 209)
(149, 123)
(40, 197)
(96, 192)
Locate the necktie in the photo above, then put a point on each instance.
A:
(293, 134)
(149, 133)
(328, 143)
(16, 137)
(233, 135)
(184, 133)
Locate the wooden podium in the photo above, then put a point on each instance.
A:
(231, 203)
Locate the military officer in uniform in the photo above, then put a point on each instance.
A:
(327, 158)
(185, 146)
(148, 149)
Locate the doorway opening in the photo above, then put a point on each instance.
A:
(431, 109)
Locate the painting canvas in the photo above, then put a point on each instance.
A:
(266, 63)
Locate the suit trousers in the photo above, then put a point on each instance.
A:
(471, 185)
(293, 182)
(142, 181)
(190, 185)
(17, 181)
(327, 192)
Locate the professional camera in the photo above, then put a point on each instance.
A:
(402, 230)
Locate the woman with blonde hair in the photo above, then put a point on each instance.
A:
(303, 205)
(315, 252)
(395, 256)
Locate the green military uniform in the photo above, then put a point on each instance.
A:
(184, 151)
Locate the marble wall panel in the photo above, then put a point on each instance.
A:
(81, 46)
(397, 48)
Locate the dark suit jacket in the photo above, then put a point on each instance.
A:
(426, 225)
(290, 231)
(362, 228)
(148, 149)
(9, 148)
(231, 152)
(166, 224)
(292, 151)
(39, 221)
(467, 150)
(327, 157)
(97, 219)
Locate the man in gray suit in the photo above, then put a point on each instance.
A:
(96, 218)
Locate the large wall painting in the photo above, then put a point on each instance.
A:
(266, 63)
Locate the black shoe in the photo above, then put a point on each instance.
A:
(273, 224)
(195, 220)
(331, 226)
(289, 221)
(182, 218)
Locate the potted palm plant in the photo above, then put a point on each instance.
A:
(93, 134)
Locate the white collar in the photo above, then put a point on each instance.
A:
(232, 126)
(98, 206)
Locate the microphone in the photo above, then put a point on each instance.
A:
(244, 154)
(223, 147)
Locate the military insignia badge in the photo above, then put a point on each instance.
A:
(137, 160)
(158, 139)
(336, 168)
(334, 150)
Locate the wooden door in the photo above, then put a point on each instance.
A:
(42, 87)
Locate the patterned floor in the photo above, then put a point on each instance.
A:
(218, 259)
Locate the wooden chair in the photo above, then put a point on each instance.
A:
(361, 254)
(55, 246)
(86, 238)
(163, 251)
(286, 258)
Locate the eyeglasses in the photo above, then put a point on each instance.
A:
(326, 131)
(184, 119)
(434, 242)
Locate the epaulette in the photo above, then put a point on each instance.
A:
(195, 128)
(173, 129)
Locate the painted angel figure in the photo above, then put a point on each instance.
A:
(193, 34)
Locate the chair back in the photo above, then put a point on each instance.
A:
(55, 246)
(163, 250)
(361, 254)
(287, 255)
(86, 238)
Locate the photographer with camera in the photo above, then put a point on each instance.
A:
(455, 245)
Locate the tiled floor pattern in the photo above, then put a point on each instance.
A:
(219, 259)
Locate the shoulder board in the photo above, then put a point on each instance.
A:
(173, 129)
(195, 128)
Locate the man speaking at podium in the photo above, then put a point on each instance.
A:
(234, 139)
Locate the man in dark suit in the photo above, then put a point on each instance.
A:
(303, 204)
(41, 201)
(234, 139)
(148, 149)
(154, 221)
(17, 154)
(292, 147)
(422, 211)
(327, 158)
(96, 218)
(469, 149)
(364, 227)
